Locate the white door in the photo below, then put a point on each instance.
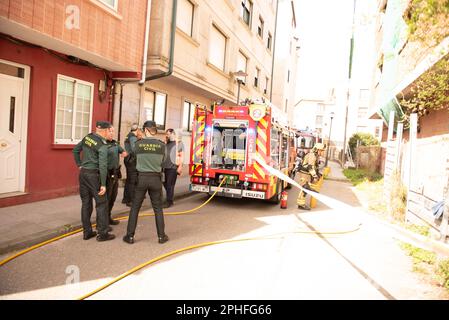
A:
(12, 150)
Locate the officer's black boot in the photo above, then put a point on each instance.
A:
(89, 235)
(163, 239)
(128, 239)
(105, 237)
(168, 204)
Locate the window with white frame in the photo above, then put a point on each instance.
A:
(113, 4)
(184, 21)
(154, 107)
(187, 115)
(247, 9)
(260, 27)
(242, 63)
(217, 48)
(73, 110)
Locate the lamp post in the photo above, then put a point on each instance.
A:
(239, 74)
(329, 139)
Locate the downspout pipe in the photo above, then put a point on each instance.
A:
(145, 48)
(172, 46)
(274, 50)
(120, 111)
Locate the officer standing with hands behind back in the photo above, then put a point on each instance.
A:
(150, 153)
(92, 179)
(114, 153)
(130, 164)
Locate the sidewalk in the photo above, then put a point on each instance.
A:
(336, 173)
(28, 224)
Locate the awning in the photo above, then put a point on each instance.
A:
(386, 108)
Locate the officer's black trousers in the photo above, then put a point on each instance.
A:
(111, 190)
(151, 183)
(131, 181)
(89, 188)
(169, 183)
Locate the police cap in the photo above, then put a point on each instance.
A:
(103, 125)
(149, 124)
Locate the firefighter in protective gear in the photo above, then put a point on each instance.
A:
(308, 173)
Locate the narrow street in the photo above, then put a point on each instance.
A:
(365, 263)
(109, 104)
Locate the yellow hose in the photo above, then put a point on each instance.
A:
(20, 253)
(205, 244)
(143, 265)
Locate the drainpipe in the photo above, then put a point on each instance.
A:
(120, 111)
(172, 46)
(274, 51)
(145, 48)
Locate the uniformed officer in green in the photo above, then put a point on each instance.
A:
(93, 171)
(114, 152)
(130, 164)
(150, 153)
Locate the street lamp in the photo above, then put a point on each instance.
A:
(239, 74)
(331, 115)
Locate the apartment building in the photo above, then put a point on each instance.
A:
(58, 63)
(195, 49)
(286, 59)
(400, 63)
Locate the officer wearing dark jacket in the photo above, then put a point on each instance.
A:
(92, 178)
(150, 153)
(130, 164)
(114, 152)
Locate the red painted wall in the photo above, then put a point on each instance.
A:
(50, 169)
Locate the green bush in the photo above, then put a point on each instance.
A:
(443, 273)
(398, 197)
(366, 139)
(419, 255)
(358, 176)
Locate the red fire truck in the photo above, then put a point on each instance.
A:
(225, 142)
(305, 140)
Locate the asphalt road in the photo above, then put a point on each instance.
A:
(364, 264)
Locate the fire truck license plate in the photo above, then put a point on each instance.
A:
(200, 188)
(254, 194)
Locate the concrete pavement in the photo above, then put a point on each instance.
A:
(364, 264)
(28, 224)
(336, 172)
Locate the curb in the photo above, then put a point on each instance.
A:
(337, 179)
(420, 240)
(36, 238)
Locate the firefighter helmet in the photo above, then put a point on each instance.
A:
(319, 146)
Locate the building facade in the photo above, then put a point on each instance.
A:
(286, 59)
(195, 48)
(400, 62)
(59, 61)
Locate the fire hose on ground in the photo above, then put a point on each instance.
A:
(335, 204)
